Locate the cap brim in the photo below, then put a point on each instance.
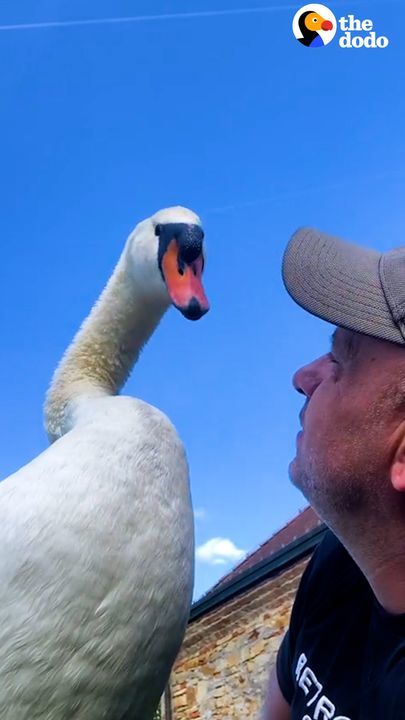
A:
(338, 282)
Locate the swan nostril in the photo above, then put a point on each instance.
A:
(181, 271)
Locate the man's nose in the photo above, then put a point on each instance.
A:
(307, 378)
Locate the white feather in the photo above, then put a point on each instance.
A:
(97, 532)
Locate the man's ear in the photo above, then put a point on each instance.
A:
(397, 472)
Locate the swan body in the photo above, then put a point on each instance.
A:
(97, 531)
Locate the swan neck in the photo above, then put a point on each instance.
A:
(101, 356)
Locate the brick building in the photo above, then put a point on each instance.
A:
(236, 628)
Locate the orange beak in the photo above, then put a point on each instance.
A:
(183, 282)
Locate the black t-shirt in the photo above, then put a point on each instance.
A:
(343, 657)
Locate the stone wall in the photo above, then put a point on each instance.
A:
(223, 666)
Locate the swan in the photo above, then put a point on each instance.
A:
(97, 532)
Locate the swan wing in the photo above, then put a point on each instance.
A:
(96, 571)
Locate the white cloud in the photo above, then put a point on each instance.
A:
(219, 551)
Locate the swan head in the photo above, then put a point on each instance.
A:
(167, 258)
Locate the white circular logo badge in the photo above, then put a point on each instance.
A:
(314, 25)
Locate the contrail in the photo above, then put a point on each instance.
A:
(292, 194)
(154, 18)
(147, 18)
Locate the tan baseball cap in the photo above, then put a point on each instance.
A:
(348, 285)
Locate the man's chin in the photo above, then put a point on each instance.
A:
(297, 477)
(293, 471)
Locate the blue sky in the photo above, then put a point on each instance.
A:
(101, 125)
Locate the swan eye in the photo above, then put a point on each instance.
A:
(157, 230)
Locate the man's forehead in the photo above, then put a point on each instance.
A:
(346, 342)
(351, 343)
(345, 338)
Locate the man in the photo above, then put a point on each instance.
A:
(343, 657)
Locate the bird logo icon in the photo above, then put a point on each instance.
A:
(314, 25)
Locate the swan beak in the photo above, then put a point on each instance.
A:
(183, 282)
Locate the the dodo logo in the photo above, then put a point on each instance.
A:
(314, 25)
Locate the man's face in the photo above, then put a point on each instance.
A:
(350, 423)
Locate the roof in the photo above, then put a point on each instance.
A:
(303, 523)
(295, 540)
